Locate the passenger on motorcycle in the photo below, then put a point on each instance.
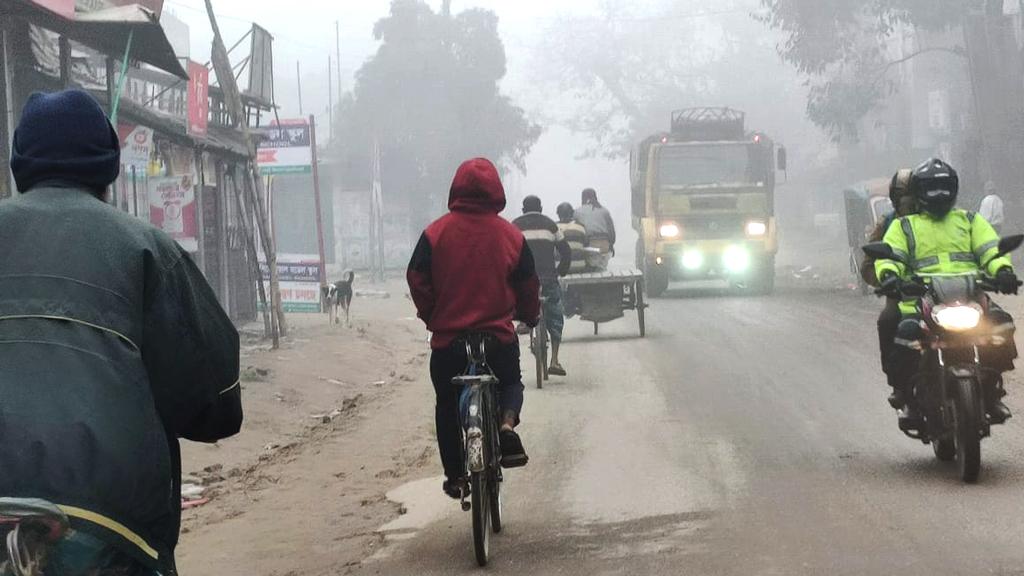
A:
(942, 240)
(472, 271)
(889, 318)
(112, 347)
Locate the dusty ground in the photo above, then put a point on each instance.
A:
(297, 493)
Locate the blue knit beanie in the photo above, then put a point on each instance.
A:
(65, 138)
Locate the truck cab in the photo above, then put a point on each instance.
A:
(703, 200)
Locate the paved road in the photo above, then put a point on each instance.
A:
(744, 436)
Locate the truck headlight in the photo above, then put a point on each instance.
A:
(736, 259)
(957, 318)
(756, 228)
(693, 260)
(669, 231)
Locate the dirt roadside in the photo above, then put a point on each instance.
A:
(333, 420)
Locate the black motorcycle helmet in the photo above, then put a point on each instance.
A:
(935, 184)
(565, 212)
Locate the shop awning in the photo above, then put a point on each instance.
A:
(107, 31)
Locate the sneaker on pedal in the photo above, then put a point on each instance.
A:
(512, 453)
(456, 489)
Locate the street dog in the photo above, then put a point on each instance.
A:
(339, 295)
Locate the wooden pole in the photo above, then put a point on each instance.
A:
(235, 109)
(245, 217)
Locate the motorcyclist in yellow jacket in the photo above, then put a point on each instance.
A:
(941, 239)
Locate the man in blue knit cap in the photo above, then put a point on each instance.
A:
(112, 347)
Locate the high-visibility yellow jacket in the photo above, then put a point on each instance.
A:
(960, 242)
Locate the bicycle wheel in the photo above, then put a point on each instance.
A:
(538, 355)
(544, 344)
(481, 507)
(494, 494)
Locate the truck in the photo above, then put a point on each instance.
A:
(703, 202)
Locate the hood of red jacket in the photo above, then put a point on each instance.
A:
(477, 188)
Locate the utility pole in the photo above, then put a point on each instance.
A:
(298, 81)
(236, 112)
(330, 99)
(337, 48)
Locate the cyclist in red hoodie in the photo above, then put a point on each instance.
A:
(472, 271)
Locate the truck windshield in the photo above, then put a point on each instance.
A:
(704, 166)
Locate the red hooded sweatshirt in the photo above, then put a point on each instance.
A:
(472, 270)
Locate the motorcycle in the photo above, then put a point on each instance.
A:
(950, 385)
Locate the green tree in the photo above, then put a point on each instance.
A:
(430, 98)
(628, 67)
(840, 47)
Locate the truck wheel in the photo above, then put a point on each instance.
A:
(657, 281)
(766, 281)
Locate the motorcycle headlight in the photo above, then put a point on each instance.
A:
(756, 228)
(957, 318)
(669, 231)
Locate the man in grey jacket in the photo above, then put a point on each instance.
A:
(598, 222)
(112, 347)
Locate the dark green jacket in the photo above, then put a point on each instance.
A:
(112, 347)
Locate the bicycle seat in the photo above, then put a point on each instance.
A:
(474, 339)
(34, 512)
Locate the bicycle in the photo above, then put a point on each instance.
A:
(539, 346)
(482, 451)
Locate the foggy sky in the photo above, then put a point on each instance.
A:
(305, 30)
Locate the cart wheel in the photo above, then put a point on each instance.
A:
(641, 308)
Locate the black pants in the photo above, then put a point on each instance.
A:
(888, 323)
(901, 363)
(451, 362)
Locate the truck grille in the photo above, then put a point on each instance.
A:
(713, 228)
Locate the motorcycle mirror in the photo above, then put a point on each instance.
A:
(879, 251)
(1010, 243)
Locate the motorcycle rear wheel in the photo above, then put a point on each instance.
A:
(967, 431)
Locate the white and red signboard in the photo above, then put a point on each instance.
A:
(136, 146)
(198, 98)
(286, 148)
(298, 276)
(172, 208)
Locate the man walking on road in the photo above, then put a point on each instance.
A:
(545, 240)
(112, 347)
(472, 271)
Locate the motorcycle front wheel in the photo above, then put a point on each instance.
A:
(967, 415)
